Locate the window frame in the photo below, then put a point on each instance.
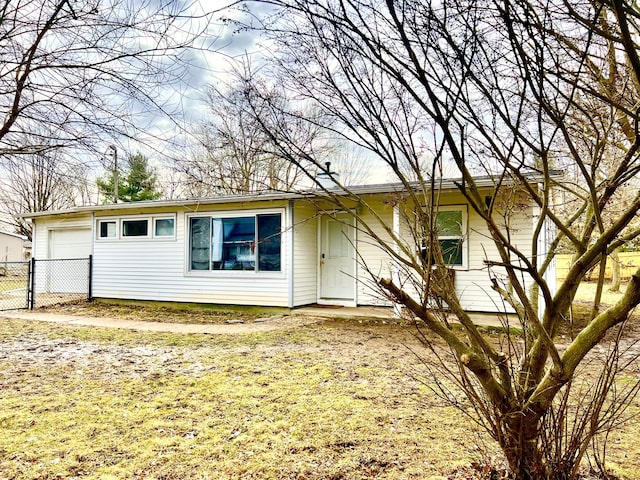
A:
(103, 220)
(134, 219)
(463, 237)
(151, 228)
(154, 219)
(226, 214)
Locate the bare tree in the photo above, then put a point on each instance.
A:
(491, 87)
(613, 128)
(353, 165)
(236, 155)
(41, 181)
(76, 72)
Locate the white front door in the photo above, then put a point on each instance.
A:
(337, 258)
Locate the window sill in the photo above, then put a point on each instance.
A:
(233, 273)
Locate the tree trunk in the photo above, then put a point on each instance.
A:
(522, 449)
(615, 271)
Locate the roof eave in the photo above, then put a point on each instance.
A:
(443, 184)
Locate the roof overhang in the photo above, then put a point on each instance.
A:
(264, 197)
(385, 188)
(16, 235)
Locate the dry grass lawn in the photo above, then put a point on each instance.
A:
(328, 401)
(587, 291)
(334, 400)
(163, 311)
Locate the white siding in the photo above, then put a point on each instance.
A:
(371, 256)
(156, 269)
(473, 284)
(11, 248)
(43, 226)
(305, 254)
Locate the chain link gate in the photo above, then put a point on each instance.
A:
(15, 278)
(59, 281)
(39, 283)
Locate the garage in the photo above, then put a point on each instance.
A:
(70, 243)
(68, 276)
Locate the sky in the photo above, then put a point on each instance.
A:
(207, 64)
(166, 137)
(225, 47)
(216, 54)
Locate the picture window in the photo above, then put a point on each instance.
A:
(250, 243)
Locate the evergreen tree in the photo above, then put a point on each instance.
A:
(138, 181)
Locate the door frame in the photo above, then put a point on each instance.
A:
(345, 302)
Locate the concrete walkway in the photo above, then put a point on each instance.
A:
(298, 317)
(482, 319)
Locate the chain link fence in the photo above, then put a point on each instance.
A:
(39, 283)
(14, 285)
(59, 280)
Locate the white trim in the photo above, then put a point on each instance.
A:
(395, 268)
(155, 218)
(93, 232)
(291, 269)
(355, 260)
(445, 184)
(346, 302)
(547, 233)
(337, 302)
(464, 208)
(188, 272)
(99, 221)
(319, 300)
(119, 221)
(134, 218)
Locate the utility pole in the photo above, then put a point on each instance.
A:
(115, 173)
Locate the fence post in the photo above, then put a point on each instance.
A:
(32, 300)
(28, 297)
(90, 297)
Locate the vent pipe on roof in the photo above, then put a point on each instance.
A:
(326, 178)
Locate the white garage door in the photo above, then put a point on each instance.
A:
(70, 276)
(70, 243)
